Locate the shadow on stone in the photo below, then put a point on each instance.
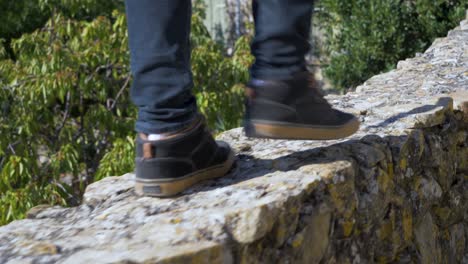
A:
(441, 102)
(247, 167)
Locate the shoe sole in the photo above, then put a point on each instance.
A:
(172, 187)
(283, 130)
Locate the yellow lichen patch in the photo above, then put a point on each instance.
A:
(442, 213)
(280, 233)
(396, 242)
(403, 164)
(385, 230)
(407, 223)
(45, 248)
(417, 185)
(421, 144)
(297, 241)
(398, 200)
(175, 220)
(342, 202)
(383, 259)
(280, 229)
(383, 180)
(293, 210)
(446, 234)
(335, 195)
(347, 227)
(390, 171)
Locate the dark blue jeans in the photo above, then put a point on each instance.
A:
(160, 54)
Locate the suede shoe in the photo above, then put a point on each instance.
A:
(167, 167)
(293, 109)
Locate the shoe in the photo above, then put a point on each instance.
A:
(167, 167)
(293, 109)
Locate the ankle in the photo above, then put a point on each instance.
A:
(167, 135)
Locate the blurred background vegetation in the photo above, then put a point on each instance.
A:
(66, 117)
(365, 37)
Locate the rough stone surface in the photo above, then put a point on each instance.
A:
(396, 192)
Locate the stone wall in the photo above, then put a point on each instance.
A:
(396, 192)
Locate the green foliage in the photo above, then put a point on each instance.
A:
(14, 203)
(366, 37)
(64, 102)
(119, 159)
(23, 16)
(17, 17)
(3, 52)
(218, 78)
(66, 117)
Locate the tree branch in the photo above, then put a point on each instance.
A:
(127, 80)
(65, 115)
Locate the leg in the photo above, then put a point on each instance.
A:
(160, 61)
(283, 101)
(281, 37)
(184, 152)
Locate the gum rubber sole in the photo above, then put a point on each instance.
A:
(172, 187)
(282, 130)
